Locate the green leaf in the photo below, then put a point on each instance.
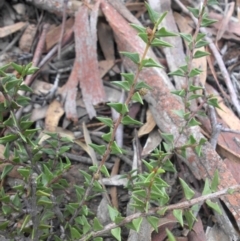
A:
(116, 233)
(193, 122)
(162, 16)
(148, 165)
(7, 151)
(191, 140)
(139, 28)
(202, 141)
(113, 213)
(179, 113)
(142, 84)
(25, 124)
(150, 63)
(195, 72)
(49, 175)
(194, 88)
(207, 21)
(178, 72)
(163, 32)
(107, 137)
(159, 43)
(153, 15)
(144, 37)
(8, 138)
(188, 192)
(194, 11)
(74, 233)
(170, 235)
(198, 150)
(98, 239)
(42, 193)
(106, 121)
(187, 37)
(137, 223)
(206, 189)
(115, 149)
(200, 36)
(214, 206)
(137, 97)
(169, 138)
(190, 218)
(104, 171)
(201, 43)
(17, 67)
(129, 77)
(22, 100)
(127, 120)
(6, 170)
(32, 70)
(24, 172)
(119, 107)
(168, 166)
(212, 2)
(13, 84)
(178, 214)
(87, 177)
(153, 222)
(133, 56)
(25, 88)
(45, 201)
(4, 225)
(213, 101)
(25, 222)
(125, 85)
(100, 149)
(215, 181)
(6, 210)
(200, 54)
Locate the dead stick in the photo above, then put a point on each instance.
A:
(38, 52)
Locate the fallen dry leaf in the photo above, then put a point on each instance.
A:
(27, 38)
(224, 23)
(148, 126)
(54, 34)
(6, 31)
(153, 141)
(226, 114)
(53, 115)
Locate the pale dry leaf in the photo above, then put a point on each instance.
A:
(106, 41)
(104, 66)
(27, 38)
(225, 20)
(38, 113)
(53, 115)
(226, 114)
(54, 33)
(8, 30)
(153, 141)
(148, 126)
(88, 141)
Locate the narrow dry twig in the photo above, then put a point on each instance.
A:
(38, 52)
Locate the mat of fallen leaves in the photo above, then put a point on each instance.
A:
(76, 46)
